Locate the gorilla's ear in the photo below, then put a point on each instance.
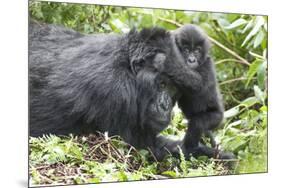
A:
(155, 62)
(137, 65)
(158, 61)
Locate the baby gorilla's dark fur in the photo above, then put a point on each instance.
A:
(106, 82)
(201, 104)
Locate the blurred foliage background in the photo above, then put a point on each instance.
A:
(240, 53)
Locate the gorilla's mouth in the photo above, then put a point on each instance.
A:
(192, 64)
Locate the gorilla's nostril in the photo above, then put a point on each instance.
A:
(191, 59)
(164, 107)
(165, 102)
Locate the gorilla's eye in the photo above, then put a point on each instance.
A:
(141, 62)
(162, 85)
(198, 49)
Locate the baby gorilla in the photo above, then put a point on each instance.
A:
(201, 104)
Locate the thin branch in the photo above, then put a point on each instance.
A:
(234, 54)
(170, 21)
(234, 80)
(257, 55)
(231, 52)
(227, 60)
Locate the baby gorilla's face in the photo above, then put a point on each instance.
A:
(193, 44)
(192, 53)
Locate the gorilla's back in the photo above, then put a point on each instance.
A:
(71, 76)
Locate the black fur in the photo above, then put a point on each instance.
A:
(104, 82)
(201, 104)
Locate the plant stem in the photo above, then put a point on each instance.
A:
(234, 80)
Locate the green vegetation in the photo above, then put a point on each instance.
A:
(240, 53)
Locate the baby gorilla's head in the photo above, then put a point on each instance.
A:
(193, 44)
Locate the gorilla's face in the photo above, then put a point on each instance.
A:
(192, 53)
(165, 97)
(161, 104)
(193, 44)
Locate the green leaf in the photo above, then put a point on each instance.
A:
(170, 173)
(261, 74)
(258, 39)
(94, 180)
(119, 25)
(248, 26)
(236, 23)
(252, 71)
(122, 176)
(258, 93)
(233, 124)
(236, 143)
(249, 101)
(223, 22)
(231, 112)
(259, 23)
(263, 109)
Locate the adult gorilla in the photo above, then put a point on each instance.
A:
(105, 82)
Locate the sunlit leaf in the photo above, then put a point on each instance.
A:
(249, 101)
(223, 22)
(120, 25)
(248, 26)
(94, 180)
(258, 93)
(259, 23)
(235, 123)
(236, 23)
(258, 39)
(231, 112)
(252, 71)
(170, 173)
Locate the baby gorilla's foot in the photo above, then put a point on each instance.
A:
(203, 150)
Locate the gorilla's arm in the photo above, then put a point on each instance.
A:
(183, 77)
